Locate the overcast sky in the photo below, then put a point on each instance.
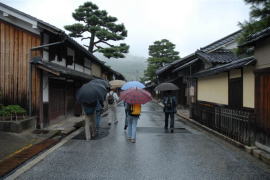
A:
(190, 24)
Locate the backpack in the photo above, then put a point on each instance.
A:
(135, 109)
(169, 103)
(110, 98)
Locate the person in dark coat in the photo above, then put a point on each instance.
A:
(169, 102)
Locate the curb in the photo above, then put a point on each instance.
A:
(253, 150)
(39, 157)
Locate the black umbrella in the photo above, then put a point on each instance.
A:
(91, 92)
(101, 81)
(166, 87)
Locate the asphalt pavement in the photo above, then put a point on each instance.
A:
(186, 154)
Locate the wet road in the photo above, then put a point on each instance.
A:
(186, 154)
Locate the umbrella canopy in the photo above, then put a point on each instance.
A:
(166, 87)
(91, 92)
(132, 84)
(101, 81)
(117, 83)
(135, 96)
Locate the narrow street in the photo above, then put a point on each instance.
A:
(186, 154)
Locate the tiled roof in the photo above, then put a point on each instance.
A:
(221, 42)
(213, 46)
(232, 65)
(257, 36)
(217, 56)
(174, 64)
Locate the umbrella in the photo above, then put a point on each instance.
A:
(135, 96)
(132, 84)
(166, 87)
(101, 81)
(117, 83)
(91, 92)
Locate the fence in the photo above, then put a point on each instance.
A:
(233, 123)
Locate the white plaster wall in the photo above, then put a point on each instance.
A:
(214, 89)
(96, 70)
(248, 87)
(87, 71)
(45, 87)
(79, 68)
(262, 54)
(70, 52)
(45, 51)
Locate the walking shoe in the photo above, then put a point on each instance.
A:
(125, 127)
(109, 124)
(129, 138)
(133, 140)
(171, 130)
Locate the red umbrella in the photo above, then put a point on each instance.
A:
(135, 96)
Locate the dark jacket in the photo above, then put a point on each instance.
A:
(169, 103)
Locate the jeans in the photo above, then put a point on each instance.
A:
(98, 117)
(167, 114)
(132, 125)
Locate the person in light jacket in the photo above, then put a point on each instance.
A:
(112, 100)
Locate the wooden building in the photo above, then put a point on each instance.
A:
(41, 68)
(260, 41)
(180, 72)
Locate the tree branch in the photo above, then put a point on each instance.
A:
(85, 38)
(107, 43)
(99, 47)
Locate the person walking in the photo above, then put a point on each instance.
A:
(112, 100)
(169, 102)
(134, 111)
(89, 111)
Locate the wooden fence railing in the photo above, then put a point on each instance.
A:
(233, 123)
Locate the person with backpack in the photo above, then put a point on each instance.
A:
(169, 102)
(112, 100)
(134, 111)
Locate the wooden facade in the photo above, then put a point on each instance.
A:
(37, 54)
(262, 100)
(15, 45)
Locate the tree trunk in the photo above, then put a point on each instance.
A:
(91, 43)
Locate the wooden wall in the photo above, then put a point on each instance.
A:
(15, 45)
(262, 100)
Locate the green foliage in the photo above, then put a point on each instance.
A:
(15, 109)
(161, 53)
(100, 29)
(259, 20)
(11, 110)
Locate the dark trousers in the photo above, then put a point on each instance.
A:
(167, 114)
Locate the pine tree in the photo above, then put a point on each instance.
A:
(100, 29)
(259, 19)
(161, 53)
